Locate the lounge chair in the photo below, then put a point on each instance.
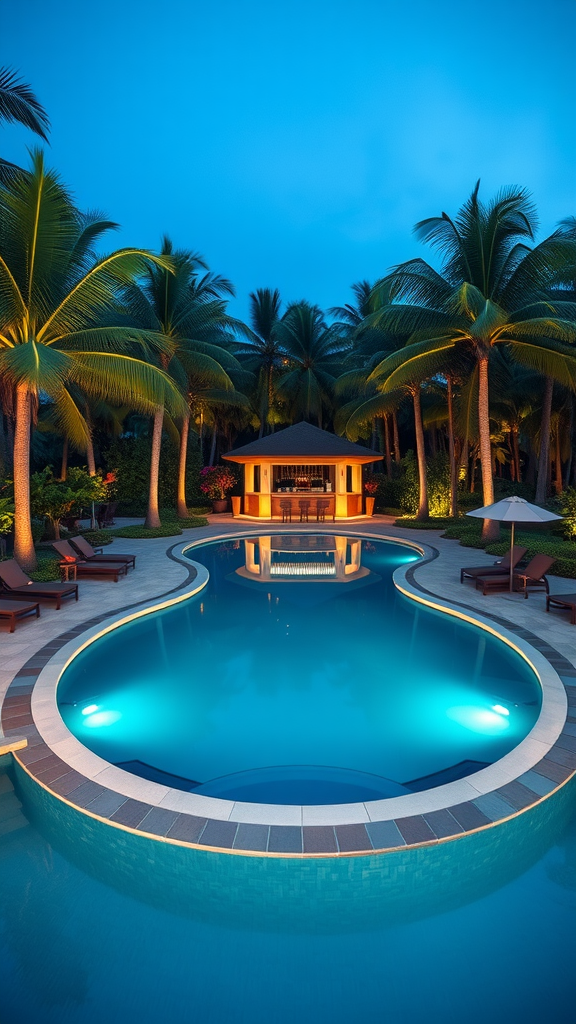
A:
(566, 601)
(494, 570)
(13, 610)
(21, 587)
(531, 578)
(67, 553)
(93, 555)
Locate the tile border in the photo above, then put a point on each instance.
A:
(533, 771)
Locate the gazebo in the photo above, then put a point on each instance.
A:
(302, 464)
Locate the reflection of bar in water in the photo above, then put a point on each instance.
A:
(291, 557)
(303, 569)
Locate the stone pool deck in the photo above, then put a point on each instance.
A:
(124, 801)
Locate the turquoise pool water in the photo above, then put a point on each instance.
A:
(300, 675)
(101, 926)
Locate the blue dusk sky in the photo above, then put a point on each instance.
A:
(293, 143)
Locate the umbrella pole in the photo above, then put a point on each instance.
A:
(511, 556)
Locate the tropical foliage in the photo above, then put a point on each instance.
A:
(461, 374)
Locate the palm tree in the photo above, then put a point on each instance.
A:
(493, 290)
(18, 103)
(171, 301)
(313, 359)
(59, 321)
(261, 349)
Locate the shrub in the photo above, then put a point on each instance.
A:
(424, 524)
(192, 521)
(142, 533)
(567, 508)
(97, 538)
(129, 458)
(47, 569)
(54, 499)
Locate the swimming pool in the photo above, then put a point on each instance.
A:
(98, 924)
(300, 675)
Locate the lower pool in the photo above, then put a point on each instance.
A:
(300, 675)
(100, 925)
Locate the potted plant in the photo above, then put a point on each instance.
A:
(370, 486)
(216, 482)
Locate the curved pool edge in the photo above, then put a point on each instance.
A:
(541, 764)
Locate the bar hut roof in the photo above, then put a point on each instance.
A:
(303, 441)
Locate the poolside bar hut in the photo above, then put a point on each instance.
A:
(302, 463)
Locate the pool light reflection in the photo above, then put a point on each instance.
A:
(479, 719)
(500, 709)
(101, 718)
(90, 709)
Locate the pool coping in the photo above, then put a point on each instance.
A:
(542, 763)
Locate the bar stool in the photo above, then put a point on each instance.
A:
(286, 508)
(321, 506)
(304, 507)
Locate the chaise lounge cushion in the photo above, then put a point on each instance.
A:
(90, 555)
(20, 586)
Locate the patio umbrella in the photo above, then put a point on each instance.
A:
(514, 510)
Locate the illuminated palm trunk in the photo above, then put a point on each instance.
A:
(181, 497)
(152, 516)
(421, 456)
(451, 452)
(490, 528)
(23, 541)
(544, 456)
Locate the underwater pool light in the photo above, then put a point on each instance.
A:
(100, 718)
(479, 719)
(500, 709)
(89, 709)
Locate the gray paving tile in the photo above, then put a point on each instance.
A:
(252, 837)
(384, 835)
(106, 803)
(187, 827)
(130, 813)
(66, 784)
(415, 829)
(494, 807)
(517, 794)
(86, 793)
(219, 833)
(537, 783)
(469, 816)
(557, 772)
(285, 839)
(319, 839)
(353, 838)
(443, 824)
(158, 821)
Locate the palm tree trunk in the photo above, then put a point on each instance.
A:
(558, 462)
(568, 470)
(64, 465)
(24, 552)
(490, 528)
(396, 437)
(516, 450)
(90, 461)
(181, 497)
(152, 516)
(451, 452)
(387, 452)
(423, 512)
(543, 458)
(213, 445)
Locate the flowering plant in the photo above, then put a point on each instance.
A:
(216, 481)
(371, 485)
